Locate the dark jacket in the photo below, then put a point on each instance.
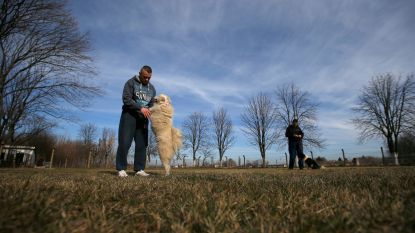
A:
(291, 131)
(136, 95)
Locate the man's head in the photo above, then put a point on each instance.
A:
(145, 74)
(295, 122)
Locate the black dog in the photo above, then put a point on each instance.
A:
(311, 163)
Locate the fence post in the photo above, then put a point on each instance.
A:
(66, 161)
(383, 156)
(286, 159)
(344, 158)
(51, 158)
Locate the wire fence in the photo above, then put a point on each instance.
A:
(345, 158)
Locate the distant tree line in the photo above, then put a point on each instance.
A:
(266, 117)
(201, 134)
(264, 123)
(385, 109)
(88, 149)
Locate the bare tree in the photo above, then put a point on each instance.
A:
(386, 108)
(69, 152)
(88, 133)
(222, 131)
(44, 143)
(206, 153)
(259, 120)
(178, 156)
(44, 65)
(106, 146)
(31, 127)
(293, 103)
(196, 133)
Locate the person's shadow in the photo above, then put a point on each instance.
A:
(130, 173)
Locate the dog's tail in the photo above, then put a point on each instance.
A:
(176, 138)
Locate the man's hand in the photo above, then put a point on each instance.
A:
(145, 112)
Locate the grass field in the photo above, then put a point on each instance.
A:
(209, 200)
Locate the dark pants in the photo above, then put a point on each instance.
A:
(295, 148)
(132, 127)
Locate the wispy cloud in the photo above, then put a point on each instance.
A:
(208, 54)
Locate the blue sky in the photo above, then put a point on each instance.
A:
(211, 54)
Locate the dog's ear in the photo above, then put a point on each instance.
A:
(166, 99)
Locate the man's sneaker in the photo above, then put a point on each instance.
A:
(122, 173)
(141, 173)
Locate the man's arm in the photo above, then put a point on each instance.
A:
(301, 133)
(146, 110)
(287, 132)
(127, 97)
(298, 133)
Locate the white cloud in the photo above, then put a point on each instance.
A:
(207, 54)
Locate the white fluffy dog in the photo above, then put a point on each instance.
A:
(169, 139)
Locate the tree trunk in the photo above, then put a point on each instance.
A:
(220, 157)
(262, 149)
(392, 149)
(396, 150)
(395, 154)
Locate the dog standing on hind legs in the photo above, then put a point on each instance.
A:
(169, 139)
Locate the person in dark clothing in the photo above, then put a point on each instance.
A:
(295, 144)
(138, 96)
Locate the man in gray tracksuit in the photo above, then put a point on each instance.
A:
(137, 97)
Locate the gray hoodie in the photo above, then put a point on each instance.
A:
(137, 95)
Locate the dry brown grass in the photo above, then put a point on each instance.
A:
(209, 200)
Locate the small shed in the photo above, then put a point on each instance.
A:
(17, 156)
